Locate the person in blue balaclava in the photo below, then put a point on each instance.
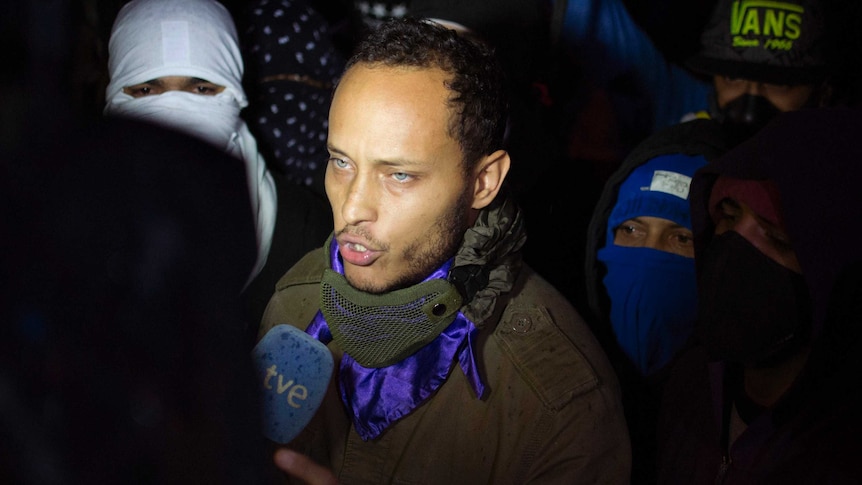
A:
(649, 258)
(639, 266)
(641, 283)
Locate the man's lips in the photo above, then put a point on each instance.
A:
(354, 250)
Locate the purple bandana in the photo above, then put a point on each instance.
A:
(378, 397)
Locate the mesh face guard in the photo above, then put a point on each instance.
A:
(380, 330)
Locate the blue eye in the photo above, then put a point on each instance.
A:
(401, 176)
(338, 162)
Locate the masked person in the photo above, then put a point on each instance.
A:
(764, 58)
(640, 273)
(456, 362)
(177, 63)
(771, 392)
(292, 64)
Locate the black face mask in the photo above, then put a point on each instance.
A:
(751, 309)
(744, 116)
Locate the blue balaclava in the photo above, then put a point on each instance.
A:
(653, 293)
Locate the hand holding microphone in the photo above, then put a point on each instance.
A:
(304, 468)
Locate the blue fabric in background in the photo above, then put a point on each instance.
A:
(611, 45)
(653, 303)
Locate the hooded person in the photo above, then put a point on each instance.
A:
(118, 321)
(640, 275)
(177, 63)
(648, 256)
(649, 321)
(764, 58)
(770, 394)
(151, 39)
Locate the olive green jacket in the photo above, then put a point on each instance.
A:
(551, 412)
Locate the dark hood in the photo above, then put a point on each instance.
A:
(814, 157)
(696, 137)
(126, 247)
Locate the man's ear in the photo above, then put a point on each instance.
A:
(488, 175)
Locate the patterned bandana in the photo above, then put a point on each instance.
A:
(378, 397)
(293, 64)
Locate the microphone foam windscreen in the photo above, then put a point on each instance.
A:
(293, 369)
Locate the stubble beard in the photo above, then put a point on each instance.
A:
(421, 259)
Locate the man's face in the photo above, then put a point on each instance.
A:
(768, 238)
(173, 83)
(400, 198)
(656, 233)
(785, 98)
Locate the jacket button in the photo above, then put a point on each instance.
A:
(522, 324)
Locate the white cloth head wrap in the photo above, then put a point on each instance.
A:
(194, 38)
(155, 38)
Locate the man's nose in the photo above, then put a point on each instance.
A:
(654, 240)
(360, 203)
(745, 224)
(754, 88)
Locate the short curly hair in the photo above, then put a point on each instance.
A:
(477, 81)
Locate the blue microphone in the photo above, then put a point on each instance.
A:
(293, 372)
